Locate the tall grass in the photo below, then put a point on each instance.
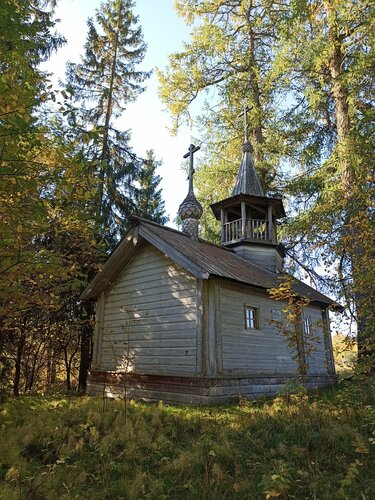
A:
(320, 445)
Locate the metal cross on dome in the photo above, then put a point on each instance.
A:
(192, 149)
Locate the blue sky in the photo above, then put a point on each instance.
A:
(164, 33)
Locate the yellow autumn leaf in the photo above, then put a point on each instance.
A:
(272, 493)
(361, 448)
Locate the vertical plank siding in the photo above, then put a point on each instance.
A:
(317, 361)
(182, 339)
(266, 257)
(199, 327)
(263, 350)
(97, 340)
(149, 320)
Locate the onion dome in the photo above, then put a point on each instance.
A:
(190, 209)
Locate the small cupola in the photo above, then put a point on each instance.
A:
(248, 218)
(190, 209)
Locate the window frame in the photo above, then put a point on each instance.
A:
(256, 317)
(306, 325)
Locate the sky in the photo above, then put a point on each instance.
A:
(164, 33)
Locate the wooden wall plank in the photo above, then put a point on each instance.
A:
(205, 327)
(97, 340)
(316, 361)
(211, 332)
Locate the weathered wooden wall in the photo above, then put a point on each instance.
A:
(149, 319)
(264, 350)
(159, 322)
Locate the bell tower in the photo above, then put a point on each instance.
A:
(248, 218)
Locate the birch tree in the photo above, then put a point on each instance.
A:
(27, 38)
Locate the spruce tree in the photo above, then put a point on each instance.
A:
(149, 202)
(101, 86)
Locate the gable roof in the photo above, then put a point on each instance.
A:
(201, 258)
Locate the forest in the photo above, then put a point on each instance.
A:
(69, 182)
(69, 179)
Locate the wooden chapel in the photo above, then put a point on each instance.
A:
(182, 320)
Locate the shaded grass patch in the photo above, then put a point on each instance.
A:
(320, 445)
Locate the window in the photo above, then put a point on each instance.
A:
(306, 326)
(251, 317)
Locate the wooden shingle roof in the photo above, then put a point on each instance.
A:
(200, 258)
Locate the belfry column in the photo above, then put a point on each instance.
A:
(190, 209)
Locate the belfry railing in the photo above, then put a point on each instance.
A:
(253, 229)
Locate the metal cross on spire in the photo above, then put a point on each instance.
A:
(246, 109)
(192, 149)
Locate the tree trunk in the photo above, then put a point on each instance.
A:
(85, 345)
(85, 360)
(51, 366)
(31, 377)
(105, 147)
(341, 96)
(17, 374)
(4, 359)
(68, 366)
(255, 91)
(67, 369)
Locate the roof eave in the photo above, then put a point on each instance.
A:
(125, 251)
(120, 255)
(277, 203)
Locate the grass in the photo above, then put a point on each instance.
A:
(316, 446)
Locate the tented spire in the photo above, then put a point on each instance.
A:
(247, 181)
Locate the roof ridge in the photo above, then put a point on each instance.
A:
(172, 229)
